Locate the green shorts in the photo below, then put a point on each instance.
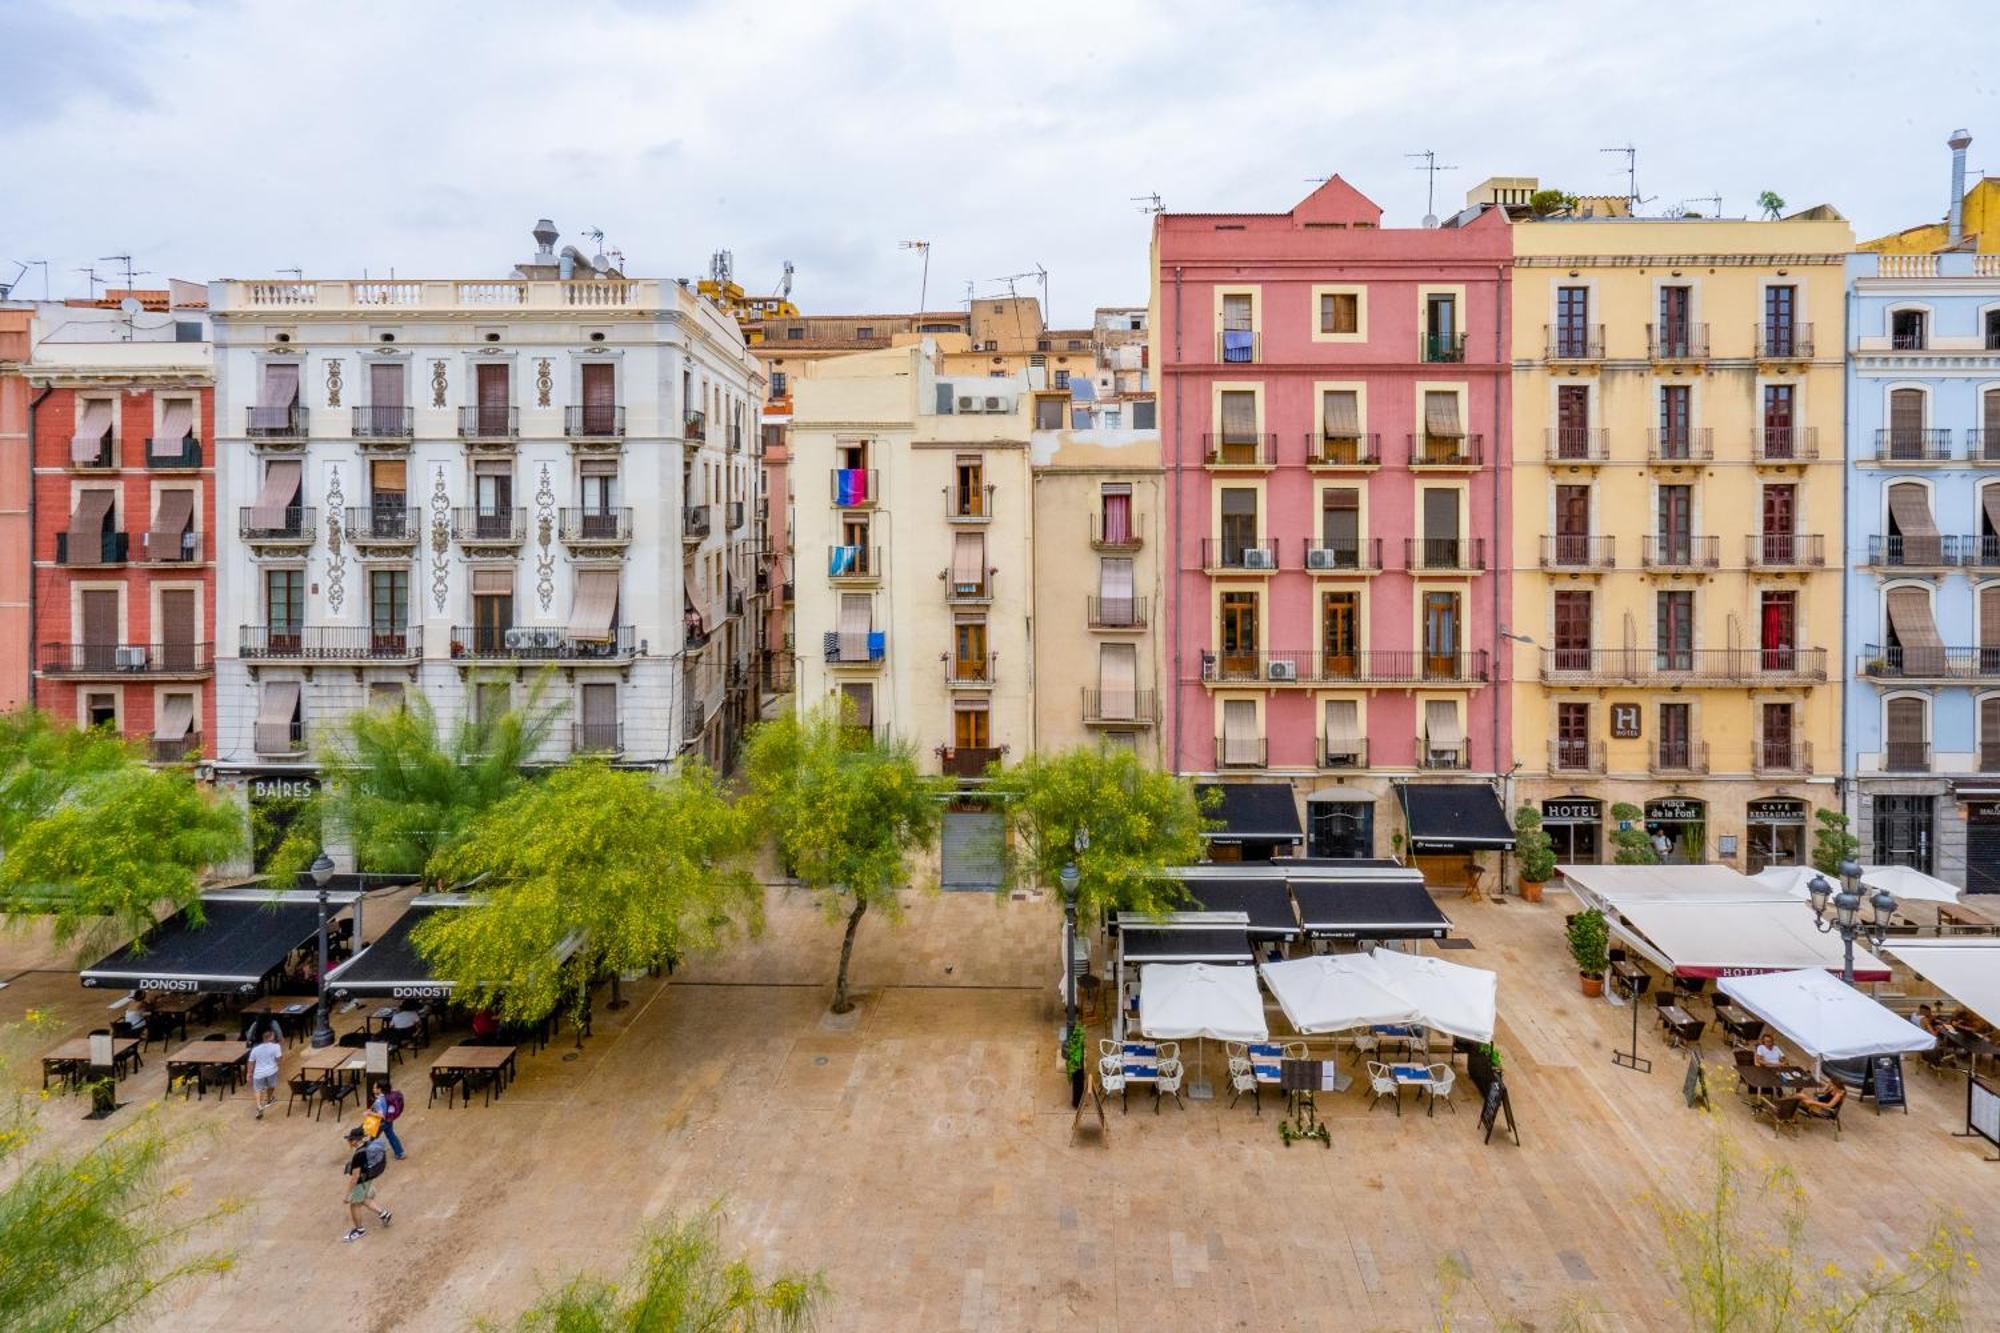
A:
(361, 1191)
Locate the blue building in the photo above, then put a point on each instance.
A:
(1923, 562)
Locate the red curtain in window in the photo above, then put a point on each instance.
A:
(1117, 519)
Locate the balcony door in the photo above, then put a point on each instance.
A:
(1239, 426)
(969, 642)
(1572, 525)
(1676, 736)
(971, 729)
(1573, 629)
(1775, 744)
(1240, 644)
(388, 611)
(1572, 736)
(1340, 526)
(494, 399)
(1573, 421)
(1441, 635)
(600, 399)
(1781, 508)
(1674, 630)
(99, 607)
(1676, 320)
(493, 493)
(1340, 621)
(1780, 310)
(284, 610)
(1676, 525)
(1676, 407)
(1906, 423)
(492, 608)
(1779, 402)
(1239, 525)
(1778, 630)
(385, 398)
(177, 629)
(1572, 321)
(1440, 541)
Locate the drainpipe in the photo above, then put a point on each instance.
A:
(1846, 798)
(1173, 577)
(1503, 469)
(34, 408)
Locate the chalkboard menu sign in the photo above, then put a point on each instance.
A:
(1885, 1079)
(1496, 1105)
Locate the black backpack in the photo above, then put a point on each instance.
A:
(374, 1158)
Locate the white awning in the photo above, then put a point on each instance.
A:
(1908, 884)
(1178, 1001)
(1449, 997)
(1967, 970)
(1824, 1016)
(176, 718)
(595, 608)
(1335, 992)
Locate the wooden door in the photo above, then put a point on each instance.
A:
(1779, 306)
(970, 641)
(100, 627)
(1340, 633)
(1441, 629)
(1573, 736)
(1573, 525)
(493, 400)
(1573, 421)
(1676, 525)
(1675, 437)
(1676, 306)
(1779, 441)
(1780, 523)
(600, 399)
(177, 629)
(1239, 634)
(1572, 631)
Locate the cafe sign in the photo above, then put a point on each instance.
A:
(1775, 811)
(288, 787)
(1676, 810)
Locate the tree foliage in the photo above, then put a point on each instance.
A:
(638, 869)
(1634, 848)
(44, 763)
(1542, 203)
(1772, 204)
(1140, 821)
(680, 1280)
(1533, 846)
(1832, 843)
(846, 810)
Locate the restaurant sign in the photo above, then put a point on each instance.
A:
(1773, 810)
(287, 787)
(168, 983)
(420, 992)
(1676, 810)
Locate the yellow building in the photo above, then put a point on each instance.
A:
(1973, 224)
(1678, 534)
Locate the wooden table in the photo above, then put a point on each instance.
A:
(1631, 974)
(1682, 1027)
(196, 1056)
(331, 1060)
(1769, 1083)
(290, 1012)
(496, 1060)
(76, 1051)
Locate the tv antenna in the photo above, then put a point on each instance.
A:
(26, 264)
(923, 248)
(1149, 203)
(1714, 201)
(1631, 153)
(1430, 168)
(130, 272)
(91, 274)
(298, 274)
(1040, 274)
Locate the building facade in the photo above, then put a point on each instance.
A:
(488, 490)
(1333, 409)
(1923, 558)
(17, 539)
(1677, 530)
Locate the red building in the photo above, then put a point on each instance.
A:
(122, 598)
(16, 534)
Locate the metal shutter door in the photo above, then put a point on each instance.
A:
(970, 851)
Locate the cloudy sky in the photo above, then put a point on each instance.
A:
(235, 140)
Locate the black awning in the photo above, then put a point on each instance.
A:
(1454, 817)
(241, 940)
(1224, 944)
(1264, 901)
(1252, 812)
(391, 967)
(1370, 909)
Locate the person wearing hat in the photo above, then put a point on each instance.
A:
(369, 1158)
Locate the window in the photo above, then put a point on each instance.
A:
(968, 494)
(1238, 410)
(284, 608)
(1673, 630)
(1442, 340)
(1776, 745)
(1439, 548)
(1674, 531)
(1237, 311)
(864, 331)
(1062, 379)
(971, 728)
(1444, 436)
(1573, 736)
(1239, 635)
(1441, 636)
(1989, 734)
(795, 333)
(1676, 736)
(1778, 630)
(100, 710)
(493, 492)
(388, 611)
(1986, 447)
(492, 608)
(1909, 330)
(1238, 339)
(1676, 331)
(1572, 535)
(1118, 681)
(1340, 527)
(1145, 415)
(1780, 322)
(1344, 745)
(1444, 735)
(1117, 606)
(1572, 421)
(1676, 436)
(494, 414)
(1913, 538)
(597, 489)
(1573, 628)
(1339, 312)
(385, 696)
(1779, 438)
(1241, 745)
(1115, 514)
(1572, 322)
(1340, 426)
(597, 717)
(1048, 413)
(1239, 525)
(600, 399)
(1340, 633)
(280, 725)
(857, 704)
(969, 645)
(490, 701)
(1906, 736)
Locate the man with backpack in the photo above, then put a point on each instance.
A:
(365, 1165)
(388, 1108)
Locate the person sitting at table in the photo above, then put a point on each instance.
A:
(1769, 1055)
(405, 1019)
(1825, 1100)
(1927, 1020)
(485, 1025)
(136, 1017)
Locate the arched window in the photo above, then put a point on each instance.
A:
(1906, 736)
(1906, 423)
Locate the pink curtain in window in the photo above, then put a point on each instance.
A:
(1117, 519)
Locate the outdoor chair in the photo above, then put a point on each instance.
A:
(1783, 1113)
(1442, 1078)
(1168, 1082)
(479, 1080)
(1811, 1110)
(449, 1080)
(1243, 1076)
(1381, 1083)
(217, 1077)
(337, 1093)
(303, 1087)
(1366, 1043)
(1111, 1068)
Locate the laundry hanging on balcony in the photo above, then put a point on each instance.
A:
(850, 486)
(843, 560)
(1238, 344)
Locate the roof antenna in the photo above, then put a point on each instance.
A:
(1714, 200)
(26, 264)
(90, 273)
(1431, 170)
(298, 274)
(130, 272)
(1149, 203)
(924, 285)
(1632, 198)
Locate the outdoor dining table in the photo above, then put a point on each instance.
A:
(1768, 1081)
(496, 1060)
(198, 1055)
(291, 1013)
(1683, 1028)
(1742, 1028)
(1407, 1034)
(334, 1062)
(1971, 1043)
(1411, 1076)
(75, 1053)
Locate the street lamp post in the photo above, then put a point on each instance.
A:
(1070, 878)
(1850, 913)
(321, 871)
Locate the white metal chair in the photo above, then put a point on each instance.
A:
(1168, 1082)
(1382, 1083)
(1242, 1075)
(1366, 1043)
(1295, 1050)
(1111, 1068)
(1442, 1077)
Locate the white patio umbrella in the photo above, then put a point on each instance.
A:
(1335, 992)
(1201, 1000)
(1824, 1016)
(1450, 997)
(1909, 884)
(1793, 880)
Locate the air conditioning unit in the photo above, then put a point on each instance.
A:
(1284, 671)
(548, 638)
(1321, 558)
(993, 405)
(518, 638)
(966, 404)
(131, 658)
(1256, 557)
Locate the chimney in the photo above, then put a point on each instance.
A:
(1959, 141)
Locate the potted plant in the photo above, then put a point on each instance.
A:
(1073, 1062)
(1536, 851)
(1629, 837)
(1589, 945)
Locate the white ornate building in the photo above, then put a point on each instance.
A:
(460, 487)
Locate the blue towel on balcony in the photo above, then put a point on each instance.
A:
(1238, 344)
(843, 560)
(878, 643)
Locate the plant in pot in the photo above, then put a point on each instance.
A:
(1073, 1063)
(1634, 848)
(1536, 851)
(1590, 946)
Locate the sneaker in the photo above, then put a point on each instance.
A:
(384, 1218)
(260, 1113)
(356, 1234)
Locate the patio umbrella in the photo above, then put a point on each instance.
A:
(1201, 1000)
(1335, 992)
(1450, 997)
(1824, 1016)
(1909, 884)
(1793, 880)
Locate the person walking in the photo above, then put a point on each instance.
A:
(264, 1057)
(365, 1165)
(388, 1105)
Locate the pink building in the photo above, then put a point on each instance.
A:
(1333, 407)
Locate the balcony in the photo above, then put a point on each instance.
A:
(969, 506)
(328, 643)
(385, 526)
(156, 660)
(1910, 445)
(596, 421)
(177, 751)
(392, 426)
(484, 526)
(104, 458)
(694, 715)
(595, 529)
(1434, 452)
(1572, 756)
(174, 455)
(1441, 348)
(1239, 347)
(1227, 555)
(1359, 555)
(1982, 447)
(857, 650)
(92, 550)
(1981, 552)
(1570, 551)
(853, 564)
(278, 740)
(1351, 754)
(291, 526)
(1130, 537)
(1784, 550)
(1898, 663)
(977, 593)
(734, 514)
(173, 548)
(1684, 666)
(1444, 555)
(735, 445)
(1682, 444)
(600, 738)
(1577, 445)
(1669, 758)
(496, 425)
(1781, 756)
(1783, 340)
(1681, 552)
(694, 428)
(287, 424)
(1240, 751)
(1229, 452)
(1572, 342)
(1339, 452)
(1906, 757)
(853, 487)
(1115, 613)
(509, 643)
(1120, 708)
(971, 673)
(1681, 344)
(697, 522)
(1374, 666)
(1448, 758)
(1932, 552)
(1780, 445)
(968, 761)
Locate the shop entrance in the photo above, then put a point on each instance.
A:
(1982, 847)
(1340, 828)
(1677, 826)
(1903, 831)
(1776, 831)
(1575, 825)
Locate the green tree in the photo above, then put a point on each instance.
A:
(1533, 846)
(1771, 203)
(1140, 821)
(1832, 843)
(847, 810)
(1544, 202)
(44, 763)
(638, 869)
(680, 1280)
(1634, 849)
